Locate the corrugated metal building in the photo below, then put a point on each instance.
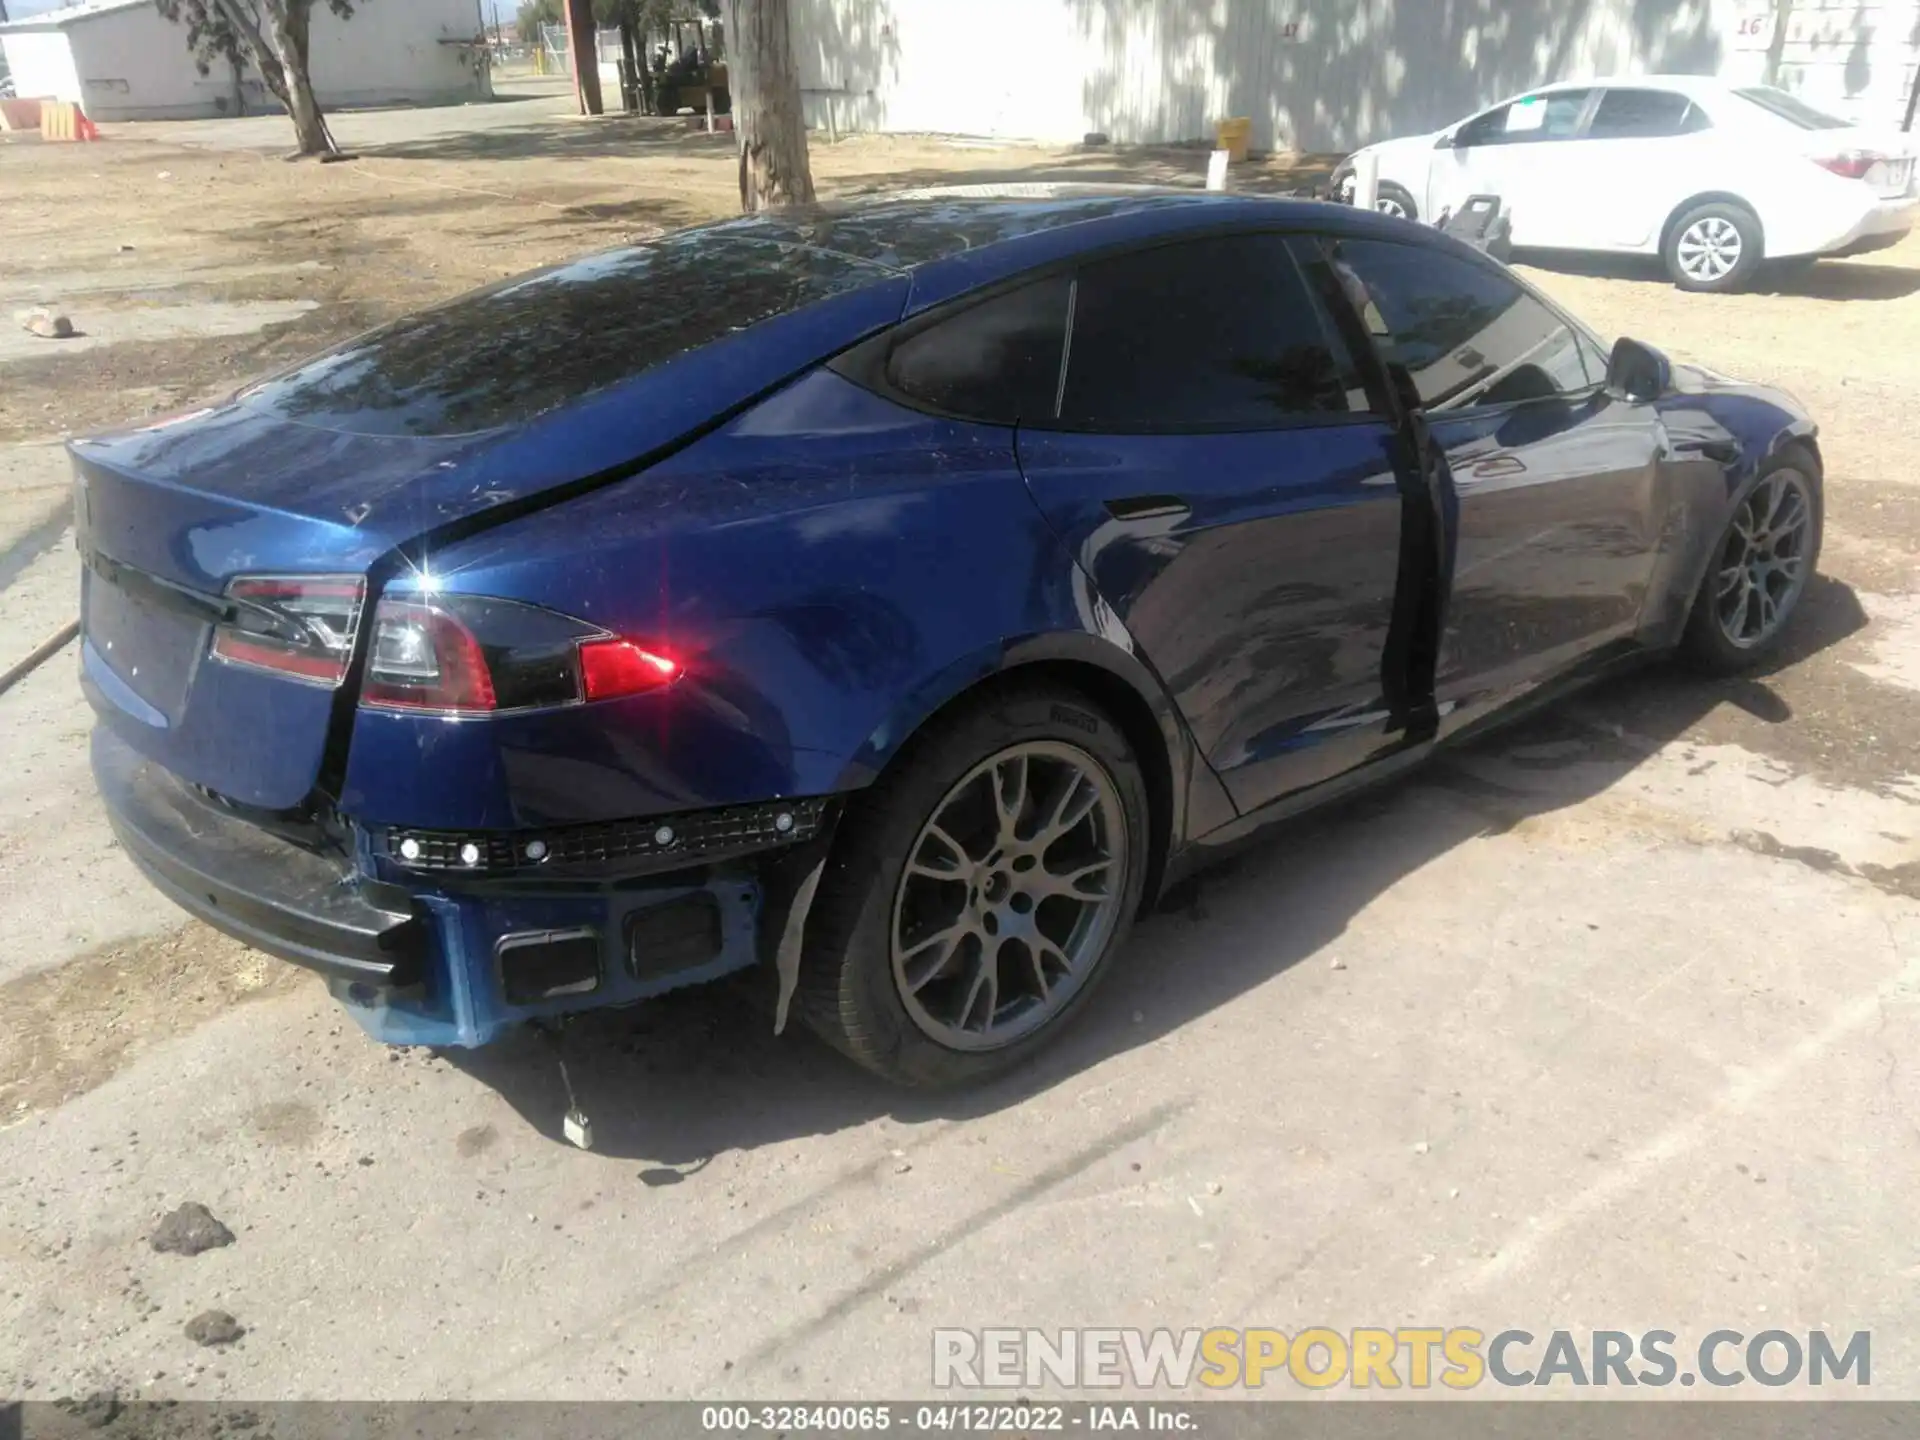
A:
(1315, 75)
(121, 60)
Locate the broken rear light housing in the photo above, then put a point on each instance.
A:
(446, 654)
(470, 655)
(299, 626)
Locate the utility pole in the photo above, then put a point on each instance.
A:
(584, 43)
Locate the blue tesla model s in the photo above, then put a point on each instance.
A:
(898, 597)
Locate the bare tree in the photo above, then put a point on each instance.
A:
(772, 128)
(272, 35)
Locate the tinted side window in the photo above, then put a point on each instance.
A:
(1533, 117)
(1467, 333)
(998, 361)
(1632, 114)
(1218, 333)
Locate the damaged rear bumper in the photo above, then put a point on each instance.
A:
(301, 905)
(449, 939)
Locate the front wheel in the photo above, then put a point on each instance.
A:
(1760, 568)
(978, 893)
(1714, 248)
(1390, 199)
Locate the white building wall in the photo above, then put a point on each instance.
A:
(1856, 58)
(42, 66)
(397, 51)
(130, 63)
(134, 65)
(1318, 75)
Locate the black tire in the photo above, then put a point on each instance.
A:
(1389, 191)
(847, 992)
(1706, 646)
(1681, 248)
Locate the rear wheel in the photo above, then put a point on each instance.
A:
(978, 894)
(1714, 247)
(1760, 568)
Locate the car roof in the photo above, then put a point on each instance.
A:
(955, 240)
(1681, 84)
(908, 230)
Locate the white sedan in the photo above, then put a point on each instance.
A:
(1713, 177)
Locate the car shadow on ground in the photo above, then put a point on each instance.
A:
(682, 1079)
(1822, 280)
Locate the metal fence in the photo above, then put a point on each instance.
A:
(550, 55)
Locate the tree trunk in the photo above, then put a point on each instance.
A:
(765, 86)
(287, 34)
(630, 55)
(280, 55)
(583, 43)
(1777, 43)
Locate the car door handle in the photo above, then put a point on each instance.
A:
(1496, 465)
(1149, 507)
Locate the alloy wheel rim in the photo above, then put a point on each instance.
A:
(1762, 566)
(1009, 896)
(1709, 249)
(1385, 204)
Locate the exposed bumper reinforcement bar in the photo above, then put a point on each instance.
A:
(305, 907)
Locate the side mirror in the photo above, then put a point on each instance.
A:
(1444, 141)
(1638, 372)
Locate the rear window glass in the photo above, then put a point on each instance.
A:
(1639, 114)
(506, 354)
(1791, 108)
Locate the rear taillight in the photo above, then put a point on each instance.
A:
(424, 658)
(1851, 164)
(300, 626)
(619, 667)
(466, 655)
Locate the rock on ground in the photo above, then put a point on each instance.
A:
(214, 1327)
(190, 1230)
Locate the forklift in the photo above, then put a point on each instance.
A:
(682, 71)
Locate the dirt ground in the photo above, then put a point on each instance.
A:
(1606, 1022)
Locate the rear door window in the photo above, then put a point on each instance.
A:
(1466, 333)
(1213, 334)
(1644, 114)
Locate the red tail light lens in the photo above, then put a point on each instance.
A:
(424, 658)
(468, 655)
(620, 667)
(1853, 164)
(300, 626)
